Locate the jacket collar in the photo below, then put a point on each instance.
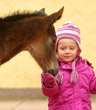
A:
(66, 65)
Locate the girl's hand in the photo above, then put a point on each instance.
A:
(48, 80)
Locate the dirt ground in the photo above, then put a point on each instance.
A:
(36, 104)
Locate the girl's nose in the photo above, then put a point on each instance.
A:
(67, 51)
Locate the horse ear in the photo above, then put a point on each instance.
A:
(42, 11)
(55, 16)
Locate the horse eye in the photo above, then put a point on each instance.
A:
(54, 40)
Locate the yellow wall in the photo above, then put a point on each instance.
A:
(22, 71)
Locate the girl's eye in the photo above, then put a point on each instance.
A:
(62, 48)
(72, 48)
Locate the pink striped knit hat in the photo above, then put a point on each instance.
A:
(69, 30)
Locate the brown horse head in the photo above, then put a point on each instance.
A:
(43, 46)
(33, 32)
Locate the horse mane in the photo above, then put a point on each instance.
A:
(21, 15)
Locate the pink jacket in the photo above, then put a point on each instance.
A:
(72, 96)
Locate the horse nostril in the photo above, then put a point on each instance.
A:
(53, 72)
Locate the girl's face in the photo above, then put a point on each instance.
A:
(67, 49)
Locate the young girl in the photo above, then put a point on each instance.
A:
(70, 89)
